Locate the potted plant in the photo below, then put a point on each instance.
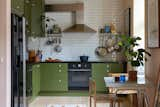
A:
(135, 57)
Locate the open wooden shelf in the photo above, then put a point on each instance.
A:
(64, 7)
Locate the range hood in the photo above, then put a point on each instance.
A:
(77, 10)
(80, 28)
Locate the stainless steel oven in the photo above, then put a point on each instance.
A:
(78, 76)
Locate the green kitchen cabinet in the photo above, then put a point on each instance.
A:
(29, 80)
(54, 77)
(17, 7)
(27, 15)
(35, 80)
(117, 67)
(101, 70)
(37, 11)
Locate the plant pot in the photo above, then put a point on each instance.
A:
(132, 75)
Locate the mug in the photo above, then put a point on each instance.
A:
(122, 78)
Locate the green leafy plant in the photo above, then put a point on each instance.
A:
(135, 57)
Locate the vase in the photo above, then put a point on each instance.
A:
(132, 75)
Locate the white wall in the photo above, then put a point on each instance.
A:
(5, 53)
(73, 44)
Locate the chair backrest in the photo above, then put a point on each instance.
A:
(92, 87)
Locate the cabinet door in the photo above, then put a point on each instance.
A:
(35, 80)
(54, 77)
(34, 84)
(116, 68)
(29, 80)
(17, 7)
(99, 71)
(27, 15)
(37, 11)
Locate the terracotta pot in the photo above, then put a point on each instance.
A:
(132, 75)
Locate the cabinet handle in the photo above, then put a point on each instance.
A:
(17, 7)
(60, 70)
(60, 80)
(38, 66)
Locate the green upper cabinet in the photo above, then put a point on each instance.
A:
(54, 77)
(27, 15)
(17, 7)
(37, 11)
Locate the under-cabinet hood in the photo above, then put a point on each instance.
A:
(77, 10)
(80, 28)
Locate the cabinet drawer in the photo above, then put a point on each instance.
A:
(55, 84)
(116, 68)
(54, 77)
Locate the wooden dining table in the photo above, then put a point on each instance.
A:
(127, 86)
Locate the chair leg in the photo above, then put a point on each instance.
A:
(94, 102)
(119, 104)
(111, 104)
(90, 101)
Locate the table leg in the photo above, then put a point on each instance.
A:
(140, 98)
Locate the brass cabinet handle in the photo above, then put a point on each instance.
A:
(60, 70)
(60, 80)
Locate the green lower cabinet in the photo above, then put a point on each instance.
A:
(99, 71)
(35, 80)
(117, 67)
(54, 77)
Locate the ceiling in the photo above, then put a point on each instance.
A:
(62, 1)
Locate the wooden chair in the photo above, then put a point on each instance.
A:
(102, 98)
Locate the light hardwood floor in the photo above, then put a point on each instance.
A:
(67, 102)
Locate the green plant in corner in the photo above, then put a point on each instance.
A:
(135, 57)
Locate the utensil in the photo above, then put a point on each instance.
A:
(102, 50)
(58, 48)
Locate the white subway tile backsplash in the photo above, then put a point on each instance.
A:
(73, 46)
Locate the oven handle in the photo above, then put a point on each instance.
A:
(79, 70)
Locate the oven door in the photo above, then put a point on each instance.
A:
(79, 80)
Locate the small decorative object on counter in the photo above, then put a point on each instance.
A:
(122, 78)
(38, 57)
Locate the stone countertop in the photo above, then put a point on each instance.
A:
(76, 62)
